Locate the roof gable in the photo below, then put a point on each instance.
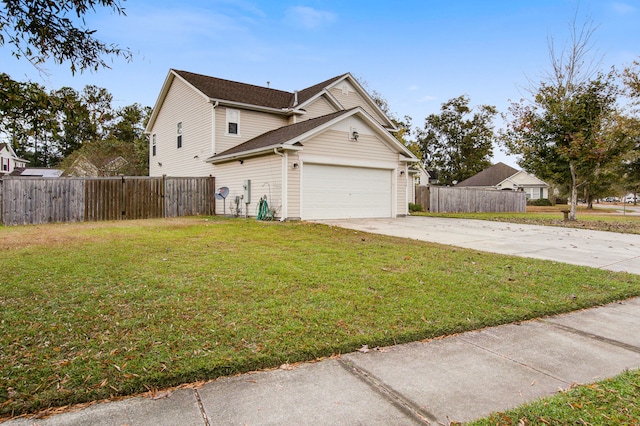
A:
(491, 176)
(523, 178)
(289, 136)
(277, 137)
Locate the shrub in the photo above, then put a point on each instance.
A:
(414, 207)
(560, 200)
(539, 202)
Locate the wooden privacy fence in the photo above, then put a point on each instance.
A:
(466, 200)
(41, 200)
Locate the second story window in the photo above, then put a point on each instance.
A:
(179, 133)
(233, 122)
(153, 145)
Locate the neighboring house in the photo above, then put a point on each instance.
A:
(103, 167)
(420, 177)
(9, 160)
(319, 153)
(36, 172)
(506, 178)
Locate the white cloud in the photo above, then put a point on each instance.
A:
(427, 98)
(414, 88)
(623, 8)
(309, 18)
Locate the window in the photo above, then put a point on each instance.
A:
(5, 164)
(233, 122)
(179, 131)
(153, 145)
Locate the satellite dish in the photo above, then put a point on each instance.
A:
(222, 193)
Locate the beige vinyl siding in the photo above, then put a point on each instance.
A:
(251, 124)
(404, 191)
(293, 187)
(317, 108)
(346, 94)
(182, 104)
(265, 174)
(336, 143)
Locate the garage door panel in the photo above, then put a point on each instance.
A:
(335, 192)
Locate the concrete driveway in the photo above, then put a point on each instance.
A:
(599, 249)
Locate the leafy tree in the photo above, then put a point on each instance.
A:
(631, 78)
(458, 143)
(72, 120)
(42, 29)
(630, 167)
(572, 132)
(46, 127)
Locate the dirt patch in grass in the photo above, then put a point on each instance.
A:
(59, 234)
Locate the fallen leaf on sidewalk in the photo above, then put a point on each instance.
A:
(286, 367)
(364, 349)
(161, 395)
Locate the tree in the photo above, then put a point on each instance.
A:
(42, 29)
(457, 142)
(572, 132)
(46, 127)
(630, 167)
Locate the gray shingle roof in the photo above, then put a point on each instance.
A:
(490, 177)
(280, 135)
(217, 88)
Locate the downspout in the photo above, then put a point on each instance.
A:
(283, 197)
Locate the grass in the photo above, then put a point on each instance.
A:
(611, 402)
(93, 311)
(609, 219)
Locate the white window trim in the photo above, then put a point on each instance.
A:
(230, 111)
(154, 146)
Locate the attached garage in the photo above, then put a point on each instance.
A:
(338, 192)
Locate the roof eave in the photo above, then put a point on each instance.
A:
(251, 153)
(280, 111)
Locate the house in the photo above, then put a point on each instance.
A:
(9, 160)
(323, 152)
(503, 177)
(97, 167)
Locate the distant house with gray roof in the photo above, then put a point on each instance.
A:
(505, 178)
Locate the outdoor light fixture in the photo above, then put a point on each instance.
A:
(159, 164)
(241, 161)
(295, 165)
(355, 135)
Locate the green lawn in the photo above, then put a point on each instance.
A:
(611, 402)
(91, 311)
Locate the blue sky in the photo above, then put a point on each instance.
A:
(416, 54)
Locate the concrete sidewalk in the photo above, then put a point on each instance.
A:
(598, 249)
(458, 378)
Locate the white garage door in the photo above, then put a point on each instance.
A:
(339, 192)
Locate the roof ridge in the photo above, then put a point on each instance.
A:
(231, 81)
